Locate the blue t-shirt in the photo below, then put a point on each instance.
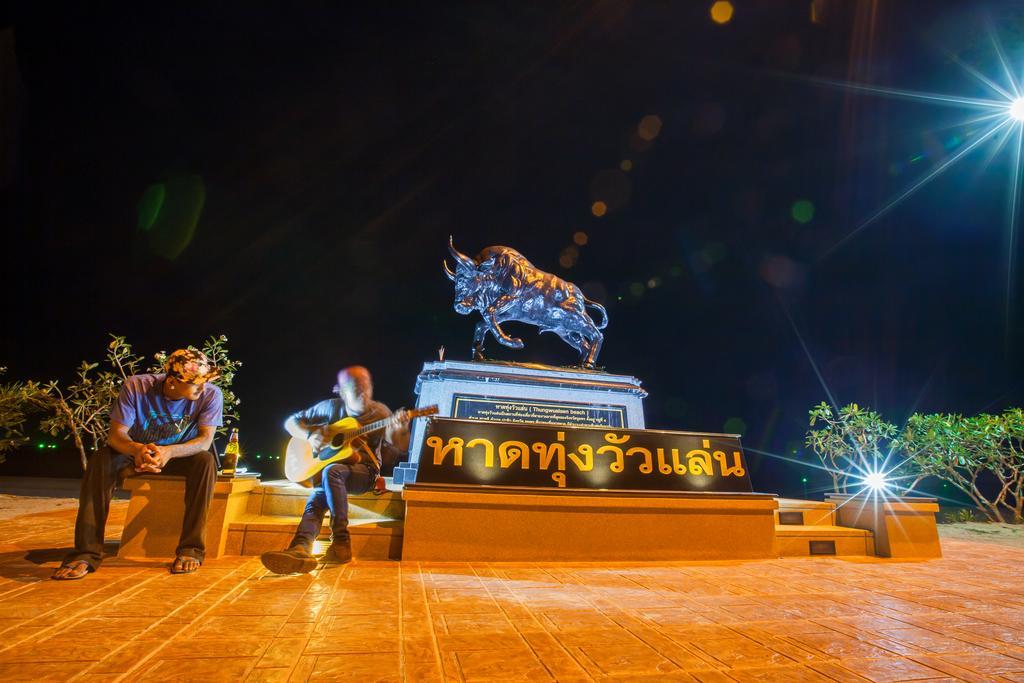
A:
(152, 418)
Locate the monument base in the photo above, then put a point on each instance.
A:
(472, 523)
(494, 391)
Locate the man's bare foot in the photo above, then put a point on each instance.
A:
(71, 571)
(184, 564)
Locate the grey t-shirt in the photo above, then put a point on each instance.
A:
(333, 409)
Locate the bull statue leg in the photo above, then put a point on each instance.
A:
(479, 336)
(499, 334)
(490, 323)
(593, 344)
(577, 341)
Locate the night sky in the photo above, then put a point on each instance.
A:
(313, 163)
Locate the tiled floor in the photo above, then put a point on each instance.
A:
(959, 618)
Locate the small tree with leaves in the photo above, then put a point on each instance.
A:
(850, 440)
(13, 413)
(962, 450)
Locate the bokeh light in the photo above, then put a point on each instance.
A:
(802, 211)
(169, 215)
(150, 204)
(599, 209)
(649, 127)
(721, 12)
(580, 238)
(626, 165)
(735, 425)
(781, 271)
(568, 257)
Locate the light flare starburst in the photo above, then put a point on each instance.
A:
(995, 121)
(1016, 109)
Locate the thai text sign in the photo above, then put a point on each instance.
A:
(504, 454)
(522, 410)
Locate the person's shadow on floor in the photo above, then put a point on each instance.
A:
(44, 555)
(31, 566)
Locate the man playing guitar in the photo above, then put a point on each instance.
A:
(336, 481)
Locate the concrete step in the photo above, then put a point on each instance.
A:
(793, 540)
(372, 539)
(793, 511)
(282, 497)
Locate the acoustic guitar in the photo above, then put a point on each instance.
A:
(343, 444)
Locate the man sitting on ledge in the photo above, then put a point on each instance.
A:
(161, 423)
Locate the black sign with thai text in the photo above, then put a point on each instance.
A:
(530, 411)
(508, 454)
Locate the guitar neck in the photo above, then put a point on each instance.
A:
(372, 427)
(381, 424)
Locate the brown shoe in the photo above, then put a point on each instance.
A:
(339, 553)
(295, 560)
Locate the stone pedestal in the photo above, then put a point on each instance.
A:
(902, 527)
(481, 524)
(519, 392)
(153, 524)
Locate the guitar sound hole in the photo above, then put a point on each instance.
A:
(338, 441)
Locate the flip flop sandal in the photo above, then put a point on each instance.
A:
(178, 566)
(79, 570)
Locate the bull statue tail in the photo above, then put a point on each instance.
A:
(604, 314)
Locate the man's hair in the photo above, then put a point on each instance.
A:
(359, 376)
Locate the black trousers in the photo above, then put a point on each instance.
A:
(200, 472)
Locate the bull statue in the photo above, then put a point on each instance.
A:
(502, 285)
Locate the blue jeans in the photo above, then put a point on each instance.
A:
(336, 483)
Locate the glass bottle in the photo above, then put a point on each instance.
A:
(231, 454)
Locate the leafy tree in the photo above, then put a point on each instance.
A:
(961, 450)
(13, 409)
(850, 441)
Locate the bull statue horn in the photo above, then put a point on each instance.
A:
(463, 260)
(447, 270)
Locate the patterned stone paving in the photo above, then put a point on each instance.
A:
(959, 618)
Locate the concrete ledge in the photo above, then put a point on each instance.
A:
(153, 522)
(902, 527)
(812, 512)
(282, 497)
(795, 541)
(371, 540)
(787, 530)
(478, 523)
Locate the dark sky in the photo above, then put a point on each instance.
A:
(324, 154)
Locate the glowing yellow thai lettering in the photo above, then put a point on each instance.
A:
(488, 450)
(510, 451)
(736, 470)
(441, 449)
(699, 461)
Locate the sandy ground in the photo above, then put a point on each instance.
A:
(984, 532)
(12, 506)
